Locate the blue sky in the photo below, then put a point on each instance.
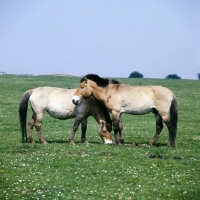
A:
(111, 38)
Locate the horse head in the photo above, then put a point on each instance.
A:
(103, 132)
(83, 91)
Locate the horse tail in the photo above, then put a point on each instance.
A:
(23, 107)
(173, 121)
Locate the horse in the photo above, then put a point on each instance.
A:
(135, 100)
(57, 103)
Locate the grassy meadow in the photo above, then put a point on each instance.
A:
(130, 171)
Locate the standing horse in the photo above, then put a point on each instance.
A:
(135, 100)
(57, 102)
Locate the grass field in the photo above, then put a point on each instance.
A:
(59, 170)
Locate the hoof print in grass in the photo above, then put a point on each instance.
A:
(152, 156)
(158, 156)
(177, 158)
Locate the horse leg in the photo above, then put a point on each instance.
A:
(84, 128)
(75, 128)
(30, 129)
(38, 125)
(159, 127)
(121, 138)
(116, 129)
(166, 119)
(71, 137)
(170, 143)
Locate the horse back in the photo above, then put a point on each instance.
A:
(147, 92)
(139, 98)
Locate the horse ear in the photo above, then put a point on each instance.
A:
(85, 79)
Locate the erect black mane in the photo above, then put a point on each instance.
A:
(113, 81)
(102, 82)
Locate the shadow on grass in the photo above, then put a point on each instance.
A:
(145, 144)
(136, 144)
(63, 142)
(132, 144)
(76, 142)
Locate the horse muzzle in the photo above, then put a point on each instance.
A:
(76, 100)
(106, 141)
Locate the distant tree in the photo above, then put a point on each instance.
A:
(135, 75)
(173, 76)
(198, 75)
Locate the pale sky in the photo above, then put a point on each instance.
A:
(111, 38)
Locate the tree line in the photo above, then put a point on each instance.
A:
(136, 74)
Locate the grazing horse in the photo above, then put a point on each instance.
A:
(57, 102)
(135, 100)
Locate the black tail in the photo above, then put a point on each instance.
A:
(23, 106)
(173, 121)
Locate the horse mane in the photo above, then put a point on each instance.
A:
(113, 81)
(102, 82)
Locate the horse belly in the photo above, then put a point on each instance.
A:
(137, 110)
(61, 115)
(62, 112)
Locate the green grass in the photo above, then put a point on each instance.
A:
(59, 170)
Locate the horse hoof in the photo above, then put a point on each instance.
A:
(122, 141)
(118, 143)
(114, 143)
(169, 145)
(71, 142)
(152, 143)
(44, 142)
(30, 140)
(85, 141)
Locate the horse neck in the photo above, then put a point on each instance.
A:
(97, 91)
